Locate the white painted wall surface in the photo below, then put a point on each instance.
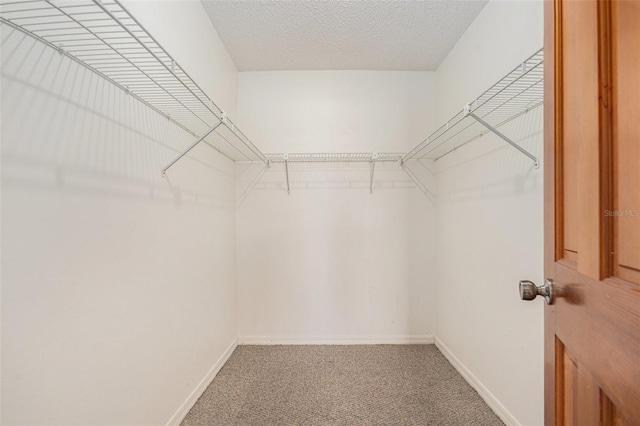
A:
(332, 262)
(118, 292)
(490, 220)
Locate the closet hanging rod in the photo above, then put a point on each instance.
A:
(517, 93)
(104, 37)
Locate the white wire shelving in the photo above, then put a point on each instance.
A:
(514, 95)
(341, 157)
(104, 37)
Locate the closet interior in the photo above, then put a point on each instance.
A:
(180, 251)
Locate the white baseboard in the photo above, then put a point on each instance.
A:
(181, 413)
(488, 397)
(336, 340)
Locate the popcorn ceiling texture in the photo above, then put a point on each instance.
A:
(405, 35)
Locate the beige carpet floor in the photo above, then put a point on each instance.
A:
(339, 385)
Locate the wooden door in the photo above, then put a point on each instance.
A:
(592, 212)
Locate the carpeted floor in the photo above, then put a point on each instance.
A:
(339, 385)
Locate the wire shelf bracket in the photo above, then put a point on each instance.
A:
(492, 129)
(193, 145)
(374, 157)
(286, 170)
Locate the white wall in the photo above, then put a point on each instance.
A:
(332, 262)
(118, 291)
(489, 220)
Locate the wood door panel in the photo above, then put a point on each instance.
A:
(609, 413)
(626, 138)
(584, 403)
(599, 323)
(580, 112)
(579, 391)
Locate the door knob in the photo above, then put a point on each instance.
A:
(529, 291)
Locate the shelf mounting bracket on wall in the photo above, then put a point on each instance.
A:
(468, 111)
(374, 156)
(193, 145)
(286, 171)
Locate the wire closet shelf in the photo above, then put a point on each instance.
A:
(353, 157)
(104, 37)
(514, 95)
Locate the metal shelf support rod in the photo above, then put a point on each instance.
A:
(193, 145)
(506, 139)
(286, 170)
(373, 168)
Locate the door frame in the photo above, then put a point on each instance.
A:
(552, 47)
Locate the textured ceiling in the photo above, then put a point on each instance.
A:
(340, 34)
